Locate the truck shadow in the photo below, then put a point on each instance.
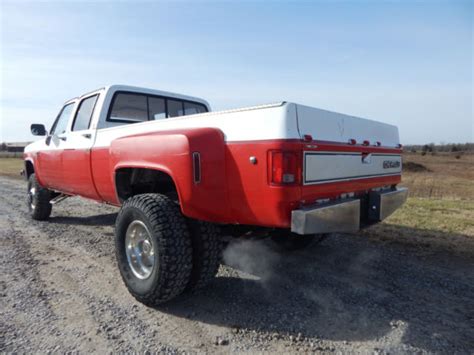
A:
(346, 288)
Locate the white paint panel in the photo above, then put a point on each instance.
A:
(337, 127)
(324, 167)
(267, 122)
(252, 124)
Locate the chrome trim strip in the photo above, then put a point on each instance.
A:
(319, 182)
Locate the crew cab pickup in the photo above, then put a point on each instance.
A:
(183, 176)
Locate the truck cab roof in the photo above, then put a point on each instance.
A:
(136, 89)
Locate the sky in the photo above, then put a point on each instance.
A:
(406, 63)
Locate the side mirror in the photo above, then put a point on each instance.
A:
(38, 129)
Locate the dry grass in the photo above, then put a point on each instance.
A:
(11, 167)
(428, 226)
(449, 216)
(447, 177)
(440, 211)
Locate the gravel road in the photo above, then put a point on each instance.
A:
(60, 291)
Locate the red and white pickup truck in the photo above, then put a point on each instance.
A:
(184, 176)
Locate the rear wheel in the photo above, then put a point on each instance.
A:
(207, 248)
(153, 248)
(287, 241)
(38, 200)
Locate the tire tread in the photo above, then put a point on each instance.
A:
(207, 248)
(174, 244)
(43, 207)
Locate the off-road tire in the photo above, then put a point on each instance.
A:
(285, 241)
(171, 243)
(39, 205)
(207, 249)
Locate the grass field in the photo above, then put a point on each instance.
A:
(440, 209)
(446, 176)
(441, 198)
(11, 167)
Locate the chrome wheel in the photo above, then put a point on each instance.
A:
(31, 197)
(139, 249)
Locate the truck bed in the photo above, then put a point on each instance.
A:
(329, 165)
(282, 120)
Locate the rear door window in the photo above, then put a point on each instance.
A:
(129, 108)
(84, 113)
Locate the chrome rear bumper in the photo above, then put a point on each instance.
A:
(335, 217)
(383, 204)
(345, 216)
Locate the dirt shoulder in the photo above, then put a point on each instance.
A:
(61, 291)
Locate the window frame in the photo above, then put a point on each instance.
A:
(79, 108)
(165, 98)
(53, 127)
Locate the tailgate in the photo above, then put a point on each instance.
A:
(331, 166)
(335, 127)
(346, 154)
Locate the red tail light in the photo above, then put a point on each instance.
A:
(284, 167)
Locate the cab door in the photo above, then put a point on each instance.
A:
(76, 156)
(50, 158)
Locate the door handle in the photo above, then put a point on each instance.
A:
(87, 135)
(63, 138)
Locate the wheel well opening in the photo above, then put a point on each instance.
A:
(29, 168)
(133, 181)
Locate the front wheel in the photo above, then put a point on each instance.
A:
(38, 200)
(153, 248)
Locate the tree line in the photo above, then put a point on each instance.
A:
(440, 148)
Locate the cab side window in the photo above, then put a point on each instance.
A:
(129, 108)
(157, 108)
(62, 120)
(84, 113)
(175, 108)
(191, 108)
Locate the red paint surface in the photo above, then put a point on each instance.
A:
(232, 190)
(77, 174)
(48, 168)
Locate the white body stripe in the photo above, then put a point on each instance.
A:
(325, 167)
